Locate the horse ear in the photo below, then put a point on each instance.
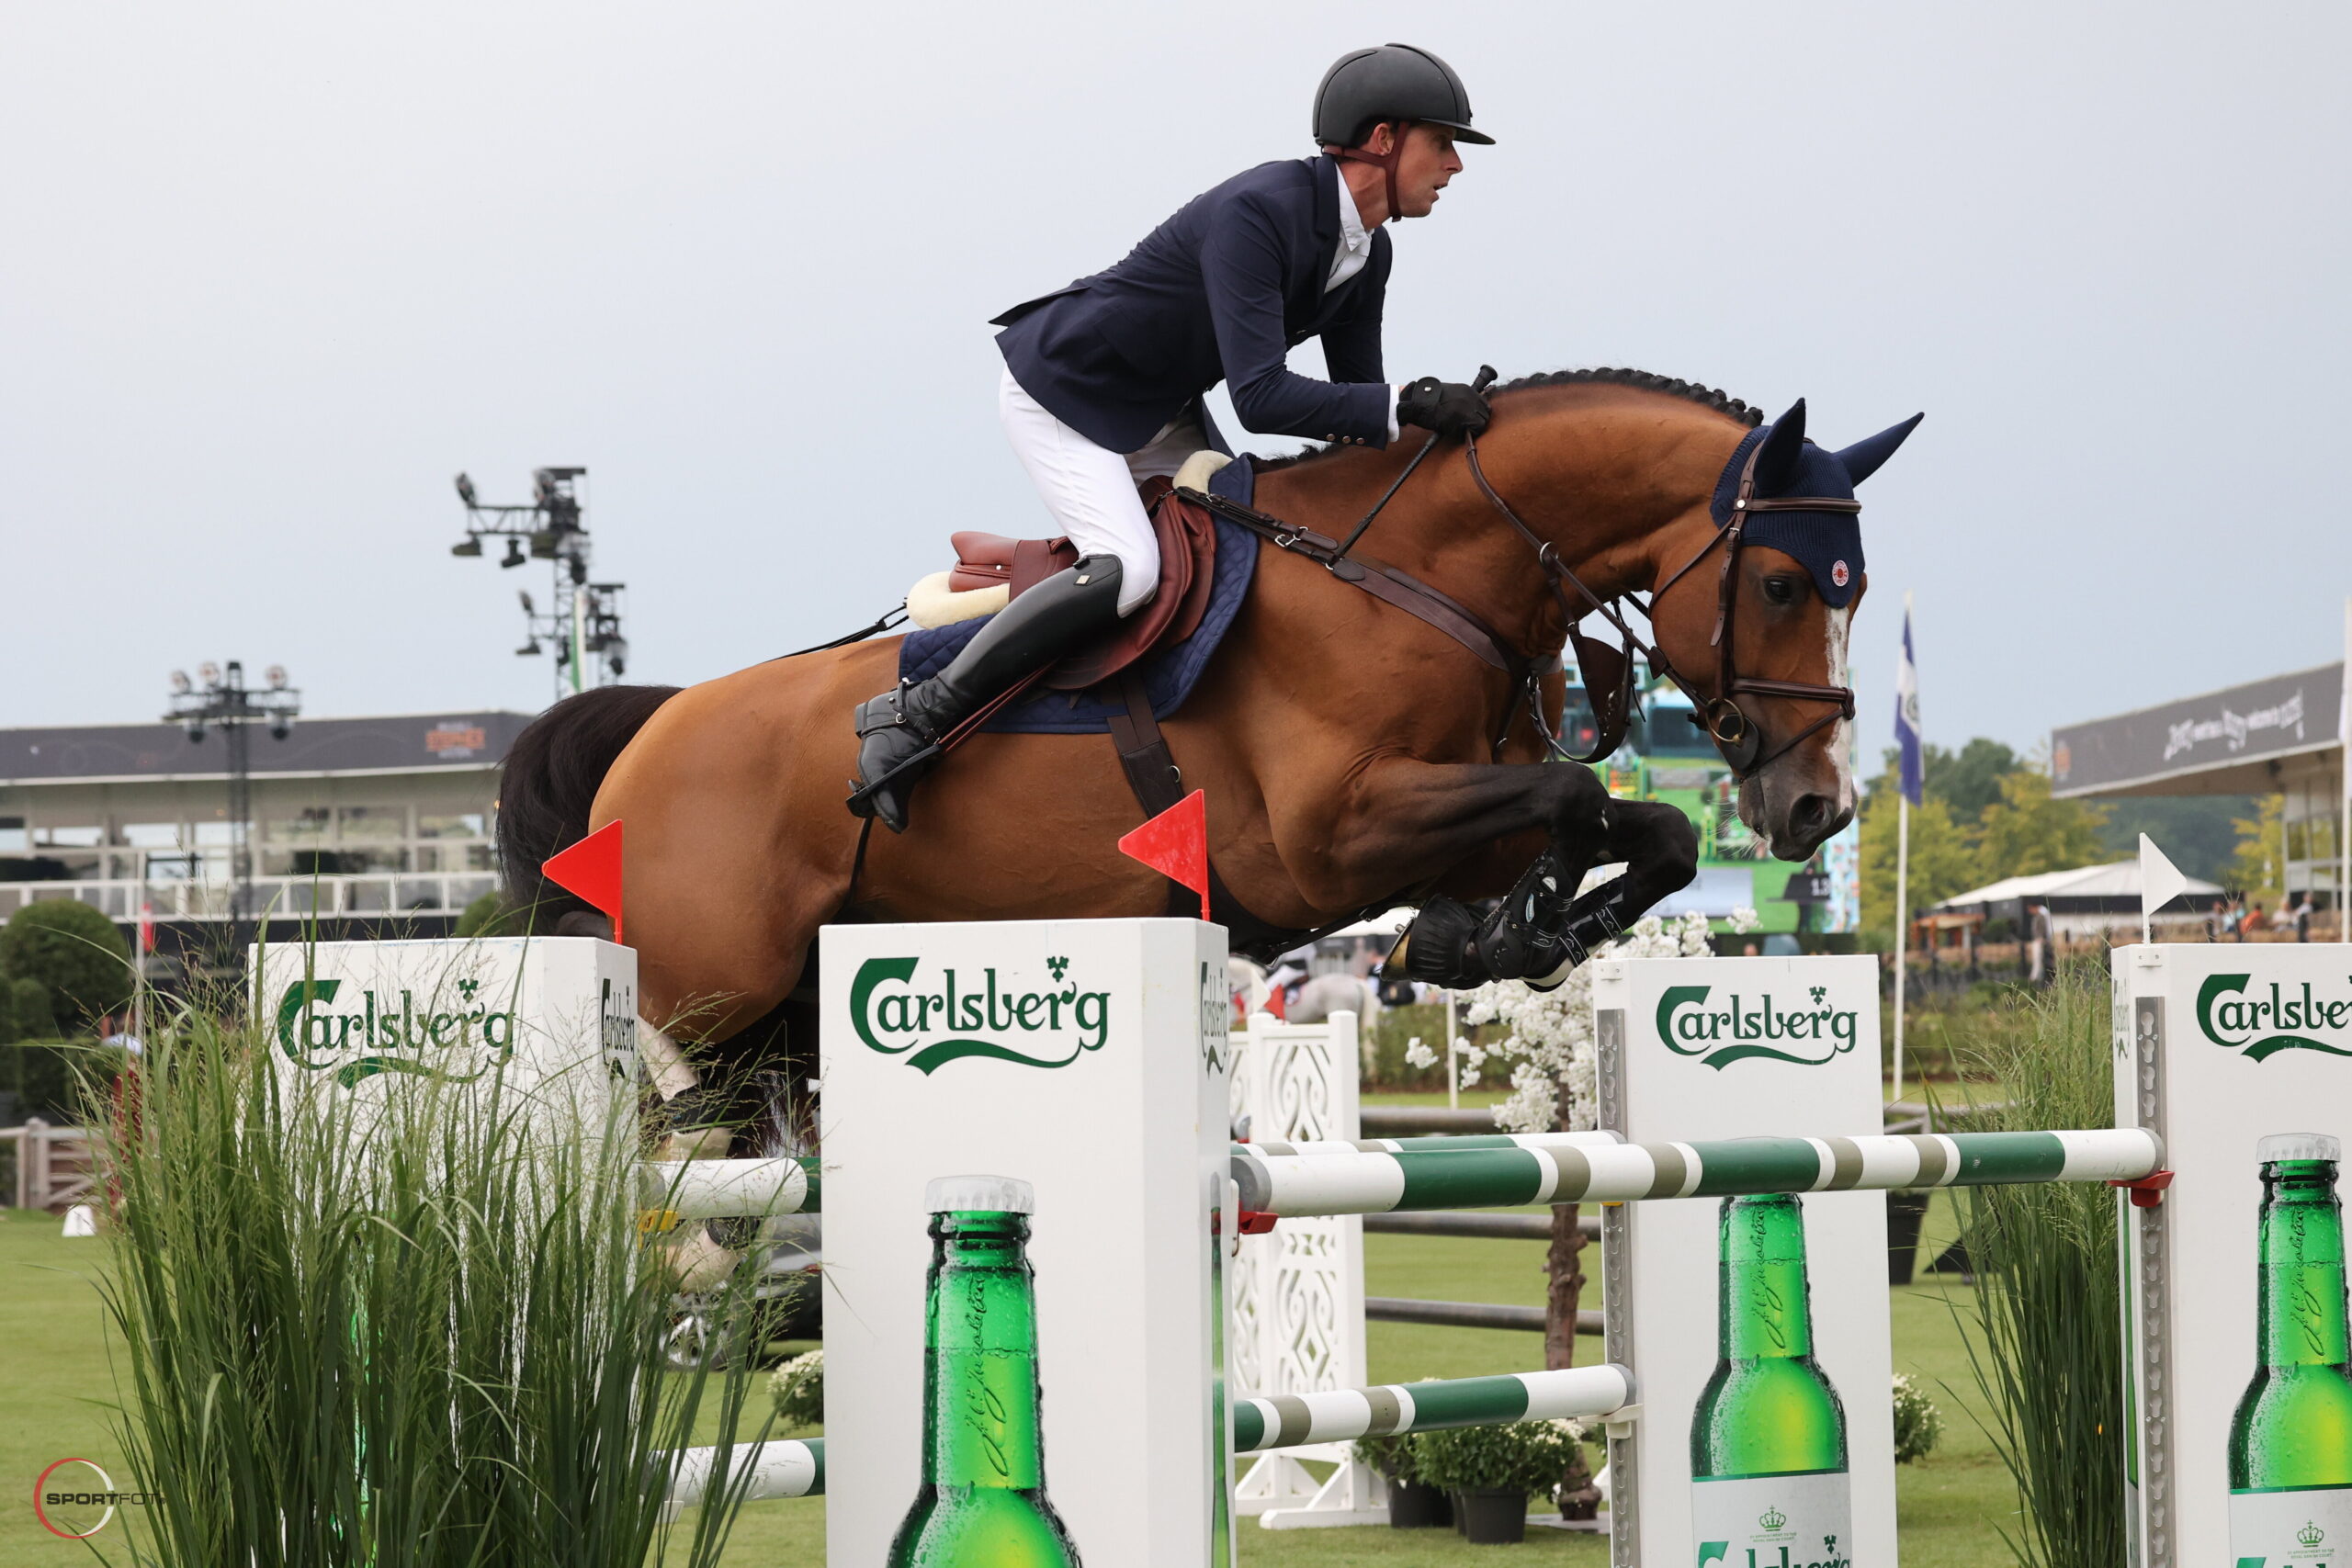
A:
(1865, 457)
(1776, 463)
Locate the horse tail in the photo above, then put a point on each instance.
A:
(548, 783)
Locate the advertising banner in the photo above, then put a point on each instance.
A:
(1087, 1060)
(2238, 1055)
(1781, 1392)
(551, 1019)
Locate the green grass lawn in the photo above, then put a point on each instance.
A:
(58, 1385)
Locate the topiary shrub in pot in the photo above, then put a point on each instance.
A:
(1493, 1470)
(1413, 1502)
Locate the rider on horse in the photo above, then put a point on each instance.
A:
(1102, 381)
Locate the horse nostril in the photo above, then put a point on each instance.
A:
(1814, 817)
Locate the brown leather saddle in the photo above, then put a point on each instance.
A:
(1187, 536)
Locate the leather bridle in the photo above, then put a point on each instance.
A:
(1609, 672)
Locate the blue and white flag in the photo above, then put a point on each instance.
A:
(1907, 714)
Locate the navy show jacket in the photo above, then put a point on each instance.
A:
(1221, 291)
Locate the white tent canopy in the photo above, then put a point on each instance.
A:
(2119, 881)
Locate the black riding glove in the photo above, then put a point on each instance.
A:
(1450, 408)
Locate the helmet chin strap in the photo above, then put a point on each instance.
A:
(1384, 162)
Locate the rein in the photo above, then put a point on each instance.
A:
(1739, 737)
(1736, 735)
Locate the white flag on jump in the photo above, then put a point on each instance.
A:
(2160, 883)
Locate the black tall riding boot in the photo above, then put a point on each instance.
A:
(900, 731)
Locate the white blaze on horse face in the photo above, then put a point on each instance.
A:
(1840, 625)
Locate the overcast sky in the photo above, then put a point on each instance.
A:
(269, 275)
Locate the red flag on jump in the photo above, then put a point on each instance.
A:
(1176, 844)
(591, 868)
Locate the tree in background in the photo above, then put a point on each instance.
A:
(73, 951)
(1943, 860)
(2258, 869)
(2197, 832)
(1972, 780)
(490, 916)
(1966, 780)
(2025, 832)
(25, 1011)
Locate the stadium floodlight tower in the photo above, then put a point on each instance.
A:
(223, 702)
(584, 622)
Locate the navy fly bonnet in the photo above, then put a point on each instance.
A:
(1827, 543)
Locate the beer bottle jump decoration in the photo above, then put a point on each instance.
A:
(982, 1502)
(2290, 1441)
(1768, 1438)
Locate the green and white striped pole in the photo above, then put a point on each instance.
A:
(786, 1468)
(1374, 1176)
(1343, 1146)
(674, 1190)
(1291, 1420)
(1418, 1177)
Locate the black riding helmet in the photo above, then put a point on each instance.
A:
(1395, 81)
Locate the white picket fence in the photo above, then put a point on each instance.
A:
(56, 1167)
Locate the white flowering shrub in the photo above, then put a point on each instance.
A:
(1917, 1423)
(799, 1389)
(1547, 1035)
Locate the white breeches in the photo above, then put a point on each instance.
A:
(1092, 491)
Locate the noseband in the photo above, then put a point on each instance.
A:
(1737, 736)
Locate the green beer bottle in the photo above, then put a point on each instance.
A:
(1768, 1440)
(982, 1502)
(2290, 1441)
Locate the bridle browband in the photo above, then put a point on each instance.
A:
(1608, 671)
(1738, 736)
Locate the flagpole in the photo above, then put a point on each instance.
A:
(1910, 775)
(1902, 922)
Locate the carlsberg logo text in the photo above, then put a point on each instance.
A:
(2272, 1018)
(374, 1023)
(963, 1013)
(1719, 1030)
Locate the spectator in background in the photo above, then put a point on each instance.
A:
(2302, 916)
(2251, 921)
(2216, 920)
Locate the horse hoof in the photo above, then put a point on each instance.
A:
(1436, 949)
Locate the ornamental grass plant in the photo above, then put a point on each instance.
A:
(2048, 1353)
(423, 1336)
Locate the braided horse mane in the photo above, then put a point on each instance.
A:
(1604, 376)
(1643, 381)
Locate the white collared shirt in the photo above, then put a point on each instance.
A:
(1349, 259)
(1355, 240)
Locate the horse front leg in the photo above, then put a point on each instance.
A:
(1544, 927)
(1406, 821)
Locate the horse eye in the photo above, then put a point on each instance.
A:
(1781, 590)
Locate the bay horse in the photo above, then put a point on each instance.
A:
(1354, 756)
